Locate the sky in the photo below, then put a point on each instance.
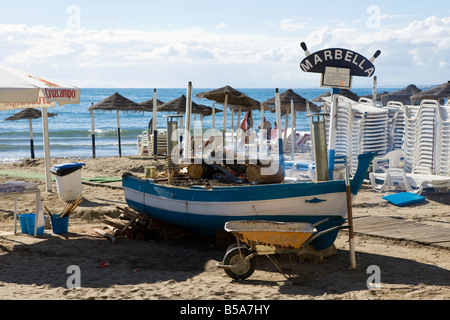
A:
(245, 43)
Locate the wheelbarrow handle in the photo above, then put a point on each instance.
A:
(320, 233)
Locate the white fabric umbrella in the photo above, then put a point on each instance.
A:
(20, 90)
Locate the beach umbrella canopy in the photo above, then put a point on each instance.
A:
(235, 97)
(29, 114)
(19, 90)
(115, 102)
(403, 95)
(148, 104)
(179, 105)
(380, 95)
(285, 102)
(229, 96)
(22, 90)
(437, 93)
(343, 92)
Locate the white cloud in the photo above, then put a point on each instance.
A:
(221, 25)
(421, 44)
(293, 24)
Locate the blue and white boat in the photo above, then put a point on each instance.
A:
(207, 209)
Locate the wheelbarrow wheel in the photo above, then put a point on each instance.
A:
(242, 269)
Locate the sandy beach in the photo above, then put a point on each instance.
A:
(184, 267)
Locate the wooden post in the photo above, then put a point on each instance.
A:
(224, 124)
(118, 133)
(187, 126)
(48, 177)
(293, 133)
(155, 126)
(31, 138)
(213, 116)
(374, 92)
(350, 219)
(93, 133)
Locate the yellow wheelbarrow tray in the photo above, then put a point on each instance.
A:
(259, 237)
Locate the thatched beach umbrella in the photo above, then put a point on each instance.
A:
(118, 103)
(290, 102)
(403, 95)
(437, 93)
(343, 92)
(179, 105)
(285, 101)
(230, 96)
(29, 114)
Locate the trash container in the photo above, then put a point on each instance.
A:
(68, 180)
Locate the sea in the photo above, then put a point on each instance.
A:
(70, 130)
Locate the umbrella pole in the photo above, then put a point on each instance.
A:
(262, 133)
(293, 134)
(286, 124)
(280, 139)
(224, 124)
(118, 133)
(93, 134)
(238, 128)
(213, 116)
(374, 92)
(187, 126)
(155, 129)
(48, 178)
(31, 139)
(332, 134)
(232, 119)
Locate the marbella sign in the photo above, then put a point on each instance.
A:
(338, 65)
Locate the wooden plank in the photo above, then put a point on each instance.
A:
(395, 228)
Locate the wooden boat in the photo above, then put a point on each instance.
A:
(207, 209)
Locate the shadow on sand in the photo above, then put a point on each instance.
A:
(44, 262)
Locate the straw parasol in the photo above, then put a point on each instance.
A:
(148, 104)
(29, 114)
(234, 97)
(285, 100)
(437, 93)
(179, 105)
(290, 102)
(118, 103)
(380, 95)
(237, 100)
(403, 95)
(343, 92)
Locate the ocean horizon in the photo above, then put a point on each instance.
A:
(70, 129)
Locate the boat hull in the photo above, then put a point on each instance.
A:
(208, 209)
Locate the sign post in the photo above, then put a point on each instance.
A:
(337, 66)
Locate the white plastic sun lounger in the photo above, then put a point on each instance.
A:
(413, 182)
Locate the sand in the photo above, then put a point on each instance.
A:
(184, 268)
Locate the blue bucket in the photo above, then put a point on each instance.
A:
(60, 225)
(23, 222)
(30, 224)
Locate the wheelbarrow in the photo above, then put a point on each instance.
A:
(269, 238)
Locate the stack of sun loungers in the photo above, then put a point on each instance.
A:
(360, 128)
(425, 155)
(396, 125)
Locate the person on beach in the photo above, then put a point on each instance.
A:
(246, 124)
(267, 126)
